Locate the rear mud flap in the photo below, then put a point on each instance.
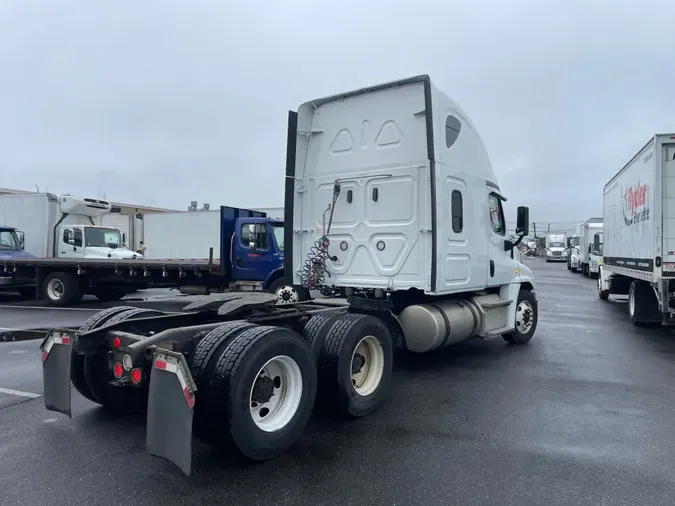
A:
(171, 402)
(56, 355)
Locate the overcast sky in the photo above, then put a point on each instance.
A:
(163, 102)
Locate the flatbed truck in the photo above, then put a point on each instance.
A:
(249, 255)
(410, 224)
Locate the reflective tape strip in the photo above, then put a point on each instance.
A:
(51, 341)
(163, 365)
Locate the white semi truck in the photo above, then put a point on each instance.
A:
(587, 234)
(639, 226)
(391, 196)
(555, 248)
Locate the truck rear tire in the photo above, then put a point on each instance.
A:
(98, 376)
(202, 364)
(355, 366)
(527, 316)
(77, 361)
(317, 328)
(643, 307)
(272, 372)
(61, 289)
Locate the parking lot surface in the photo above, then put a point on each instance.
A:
(582, 415)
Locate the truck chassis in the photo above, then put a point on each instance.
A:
(203, 369)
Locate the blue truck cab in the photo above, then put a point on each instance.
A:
(252, 252)
(11, 247)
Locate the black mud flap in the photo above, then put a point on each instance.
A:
(171, 402)
(56, 355)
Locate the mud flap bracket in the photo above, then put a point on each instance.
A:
(57, 350)
(171, 401)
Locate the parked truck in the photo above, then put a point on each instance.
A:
(639, 253)
(91, 259)
(595, 254)
(573, 249)
(587, 234)
(387, 222)
(555, 248)
(60, 231)
(12, 248)
(248, 245)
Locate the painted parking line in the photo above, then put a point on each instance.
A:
(19, 393)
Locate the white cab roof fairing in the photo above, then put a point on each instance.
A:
(468, 153)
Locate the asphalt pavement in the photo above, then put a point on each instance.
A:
(582, 415)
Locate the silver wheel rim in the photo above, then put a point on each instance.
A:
(55, 289)
(287, 295)
(524, 317)
(631, 302)
(276, 393)
(367, 365)
(599, 289)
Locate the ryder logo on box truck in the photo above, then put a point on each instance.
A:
(635, 208)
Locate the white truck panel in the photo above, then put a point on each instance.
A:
(588, 230)
(629, 213)
(30, 213)
(376, 144)
(182, 235)
(120, 221)
(668, 164)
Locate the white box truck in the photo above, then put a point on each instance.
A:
(64, 230)
(556, 250)
(587, 234)
(64, 226)
(639, 228)
(390, 194)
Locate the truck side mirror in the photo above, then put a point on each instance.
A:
(596, 241)
(124, 238)
(523, 221)
(589, 248)
(569, 242)
(22, 240)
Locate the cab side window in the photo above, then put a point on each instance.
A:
(77, 235)
(496, 216)
(260, 238)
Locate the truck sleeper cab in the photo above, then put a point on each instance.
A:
(390, 195)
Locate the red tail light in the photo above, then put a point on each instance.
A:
(117, 370)
(116, 342)
(136, 376)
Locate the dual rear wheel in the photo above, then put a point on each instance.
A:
(257, 385)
